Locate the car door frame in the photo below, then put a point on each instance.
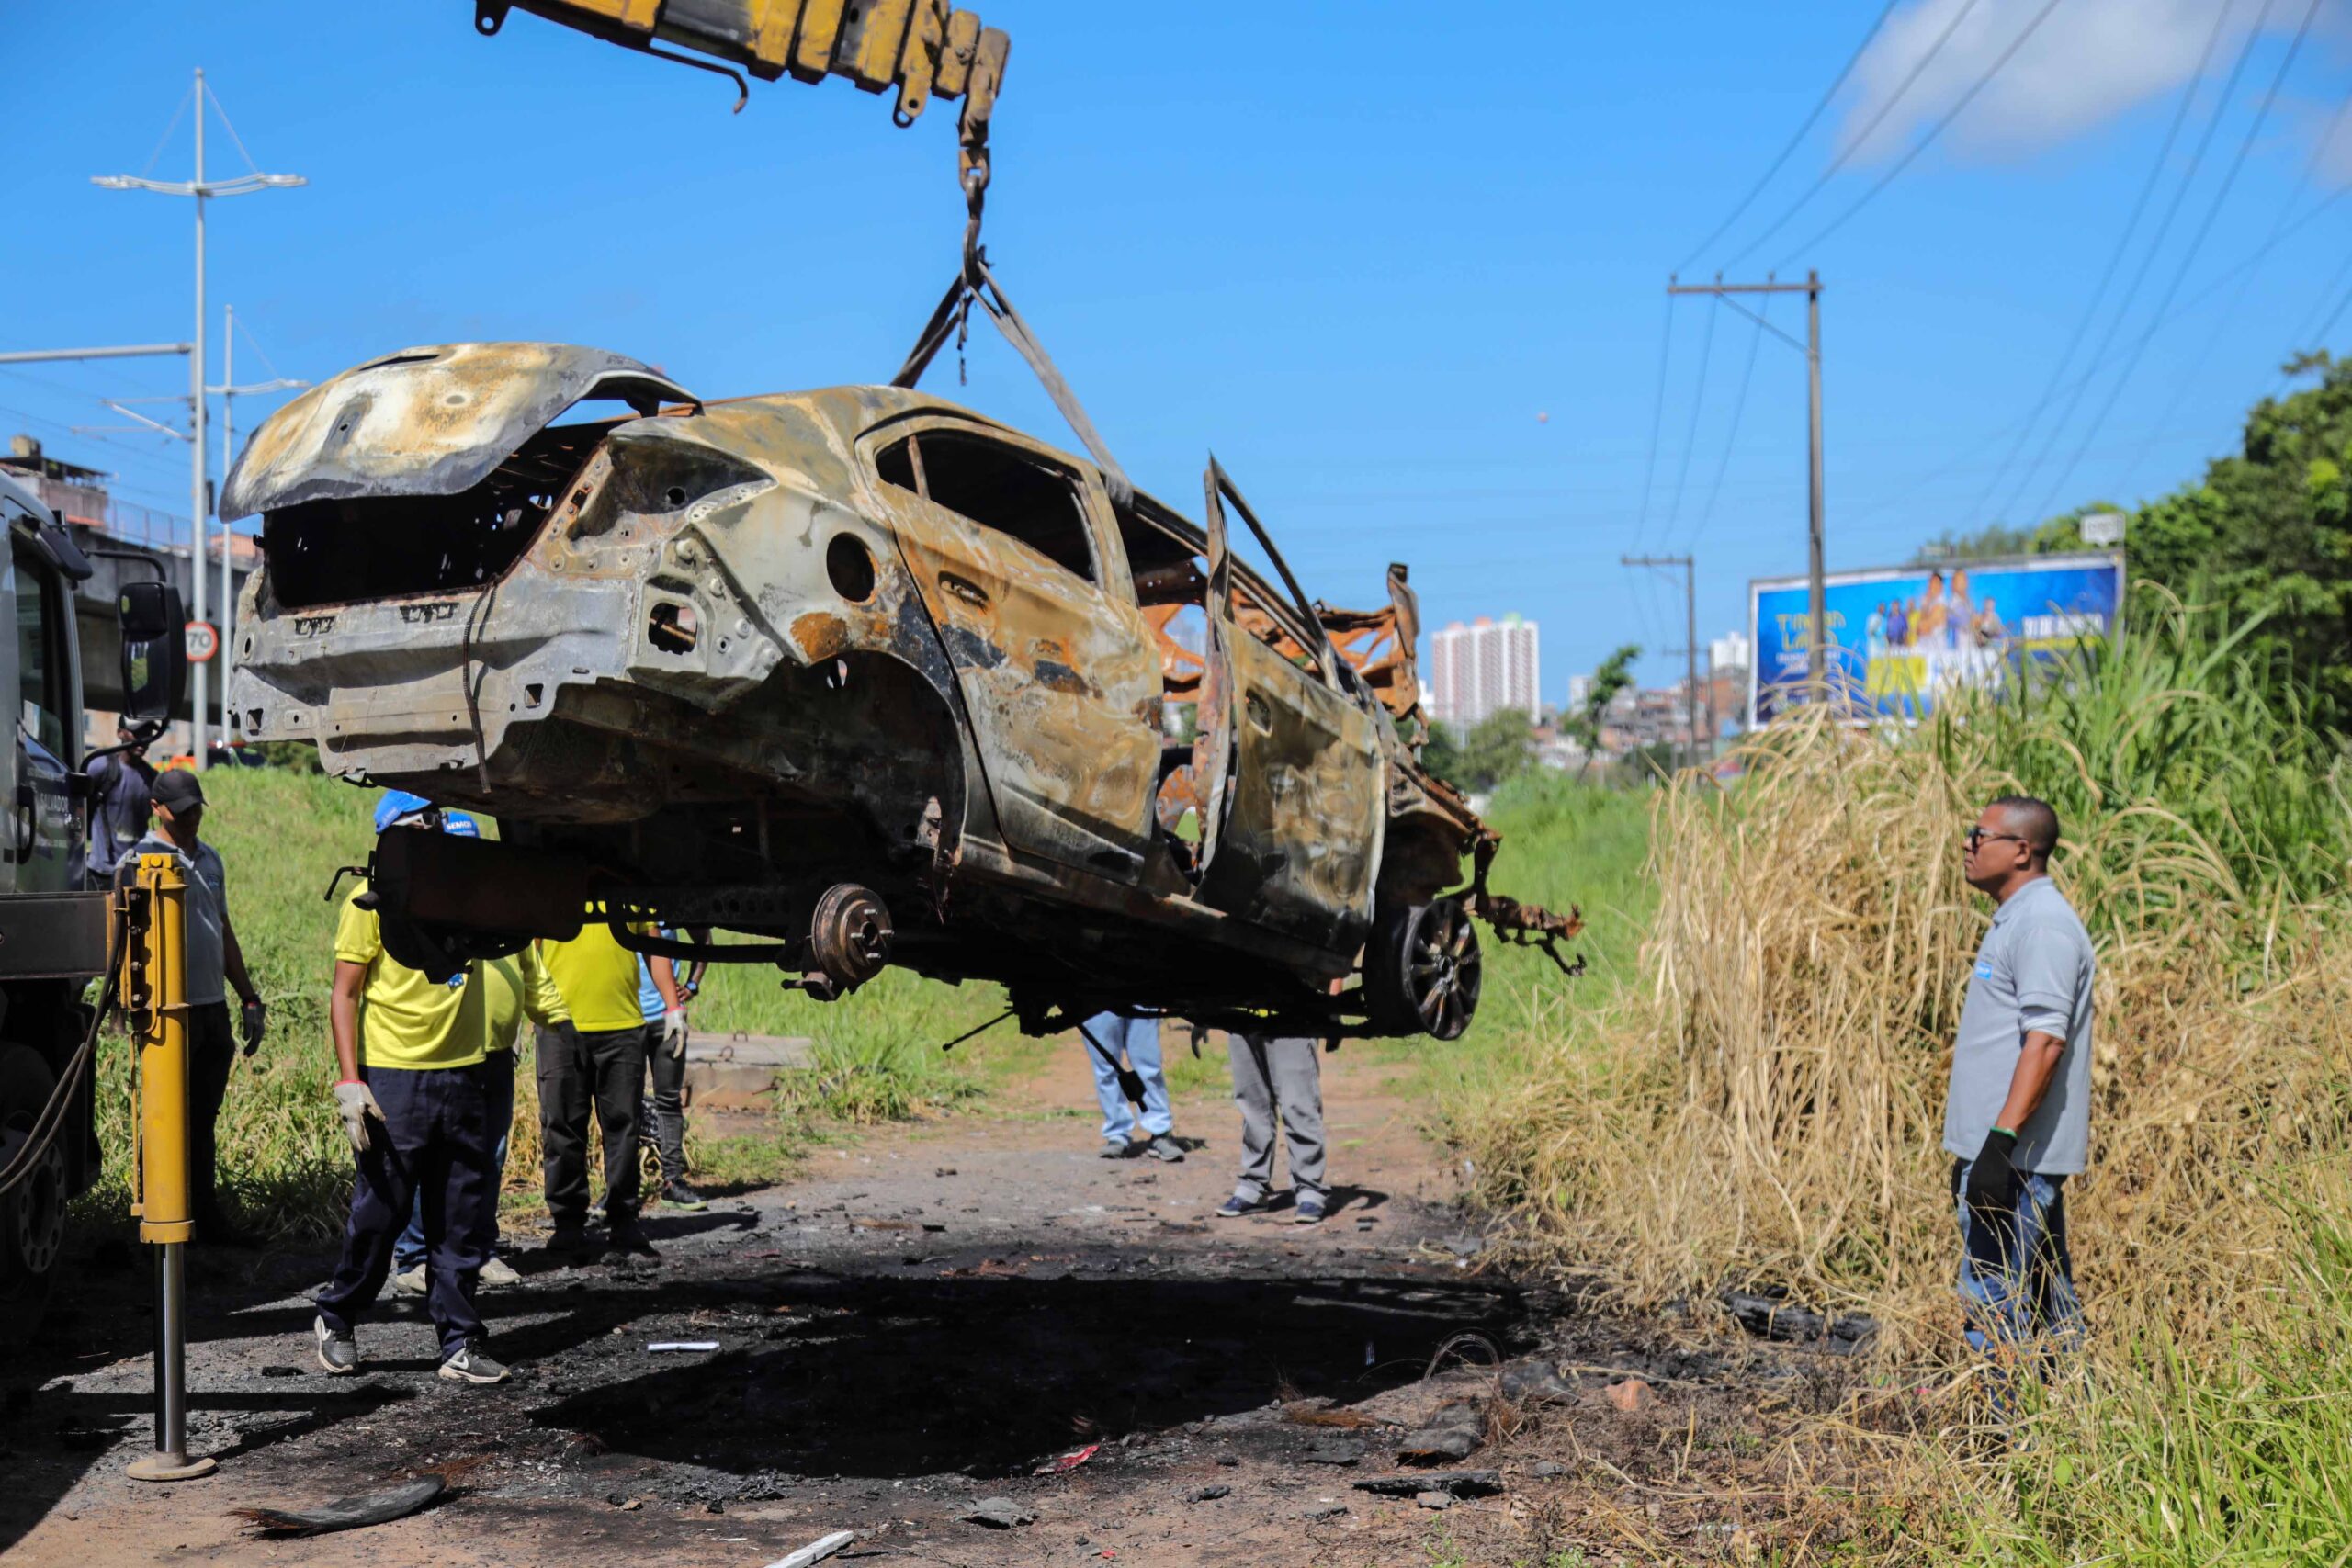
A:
(1288, 764)
(1065, 718)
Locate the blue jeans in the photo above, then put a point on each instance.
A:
(2016, 1279)
(1140, 1038)
(498, 1072)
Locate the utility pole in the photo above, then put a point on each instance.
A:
(228, 392)
(201, 502)
(1817, 598)
(1690, 640)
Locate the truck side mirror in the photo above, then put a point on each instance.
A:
(154, 653)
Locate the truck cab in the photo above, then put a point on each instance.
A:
(53, 931)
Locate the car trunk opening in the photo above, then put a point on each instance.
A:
(328, 552)
(430, 471)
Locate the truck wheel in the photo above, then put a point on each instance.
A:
(1421, 970)
(33, 1213)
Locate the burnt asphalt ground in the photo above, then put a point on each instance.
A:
(923, 1321)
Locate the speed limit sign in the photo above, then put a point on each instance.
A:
(203, 641)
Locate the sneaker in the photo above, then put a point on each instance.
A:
(1117, 1148)
(409, 1281)
(1309, 1210)
(338, 1353)
(1164, 1146)
(471, 1363)
(497, 1274)
(1240, 1203)
(678, 1195)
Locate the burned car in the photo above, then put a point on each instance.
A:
(856, 673)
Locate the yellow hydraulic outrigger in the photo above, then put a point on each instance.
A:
(151, 929)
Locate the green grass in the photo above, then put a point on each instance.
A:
(1564, 844)
(2243, 1459)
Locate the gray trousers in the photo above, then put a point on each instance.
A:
(663, 1122)
(1278, 1076)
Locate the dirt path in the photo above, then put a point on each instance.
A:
(926, 1319)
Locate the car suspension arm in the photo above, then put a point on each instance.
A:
(1519, 925)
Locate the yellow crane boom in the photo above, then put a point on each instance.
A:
(924, 48)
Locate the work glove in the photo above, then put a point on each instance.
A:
(1992, 1189)
(357, 1102)
(255, 1021)
(673, 1031)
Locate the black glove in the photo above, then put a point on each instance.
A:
(1992, 1180)
(255, 1023)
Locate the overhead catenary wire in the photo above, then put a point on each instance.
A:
(1795, 140)
(2188, 257)
(1934, 131)
(2148, 254)
(1861, 139)
(2114, 260)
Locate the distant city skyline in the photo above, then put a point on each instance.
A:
(1483, 667)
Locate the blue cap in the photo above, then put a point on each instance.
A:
(399, 805)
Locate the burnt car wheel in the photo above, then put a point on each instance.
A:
(33, 1213)
(1421, 970)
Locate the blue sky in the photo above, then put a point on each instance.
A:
(1405, 279)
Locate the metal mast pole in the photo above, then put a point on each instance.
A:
(1690, 656)
(1817, 593)
(200, 506)
(228, 456)
(199, 498)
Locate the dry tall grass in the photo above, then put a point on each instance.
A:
(1768, 1107)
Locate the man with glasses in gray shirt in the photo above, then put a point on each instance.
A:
(2017, 1118)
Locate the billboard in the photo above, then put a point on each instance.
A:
(1901, 639)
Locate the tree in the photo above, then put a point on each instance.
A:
(1499, 748)
(2267, 531)
(1988, 544)
(1614, 675)
(1441, 753)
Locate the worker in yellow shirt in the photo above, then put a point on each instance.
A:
(419, 1097)
(595, 1058)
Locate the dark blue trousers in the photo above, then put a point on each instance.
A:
(499, 1069)
(440, 1150)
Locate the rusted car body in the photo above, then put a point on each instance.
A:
(854, 671)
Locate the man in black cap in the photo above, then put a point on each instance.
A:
(214, 962)
(119, 781)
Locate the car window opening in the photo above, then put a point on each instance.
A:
(999, 488)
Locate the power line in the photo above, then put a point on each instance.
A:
(2180, 274)
(1731, 437)
(1856, 143)
(1658, 419)
(2333, 316)
(2310, 328)
(1933, 131)
(2114, 260)
(2147, 260)
(1795, 140)
(2184, 380)
(1690, 435)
